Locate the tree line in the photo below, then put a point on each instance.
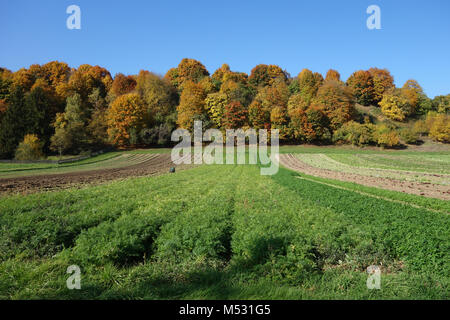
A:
(59, 109)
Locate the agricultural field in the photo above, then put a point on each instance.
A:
(205, 232)
(109, 160)
(14, 179)
(434, 183)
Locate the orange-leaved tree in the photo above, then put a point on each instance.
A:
(264, 75)
(315, 124)
(258, 116)
(187, 70)
(337, 102)
(361, 84)
(126, 114)
(296, 111)
(86, 78)
(122, 84)
(235, 115)
(333, 75)
(269, 98)
(219, 73)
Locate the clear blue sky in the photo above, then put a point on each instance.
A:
(126, 36)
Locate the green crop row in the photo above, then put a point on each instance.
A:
(291, 238)
(410, 200)
(131, 238)
(203, 231)
(416, 236)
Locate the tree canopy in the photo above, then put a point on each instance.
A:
(70, 110)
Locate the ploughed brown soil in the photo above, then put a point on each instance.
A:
(413, 187)
(24, 185)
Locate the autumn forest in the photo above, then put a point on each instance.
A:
(56, 109)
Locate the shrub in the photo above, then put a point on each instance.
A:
(30, 148)
(354, 133)
(386, 137)
(431, 116)
(420, 127)
(409, 136)
(440, 128)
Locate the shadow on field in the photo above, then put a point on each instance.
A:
(203, 284)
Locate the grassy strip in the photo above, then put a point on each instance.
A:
(118, 161)
(354, 150)
(7, 167)
(407, 163)
(322, 161)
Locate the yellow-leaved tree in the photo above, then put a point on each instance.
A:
(215, 104)
(30, 148)
(192, 105)
(386, 136)
(440, 128)
(395, 106)
(382, 82)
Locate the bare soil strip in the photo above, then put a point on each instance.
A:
(155, 165)
(413, 187)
